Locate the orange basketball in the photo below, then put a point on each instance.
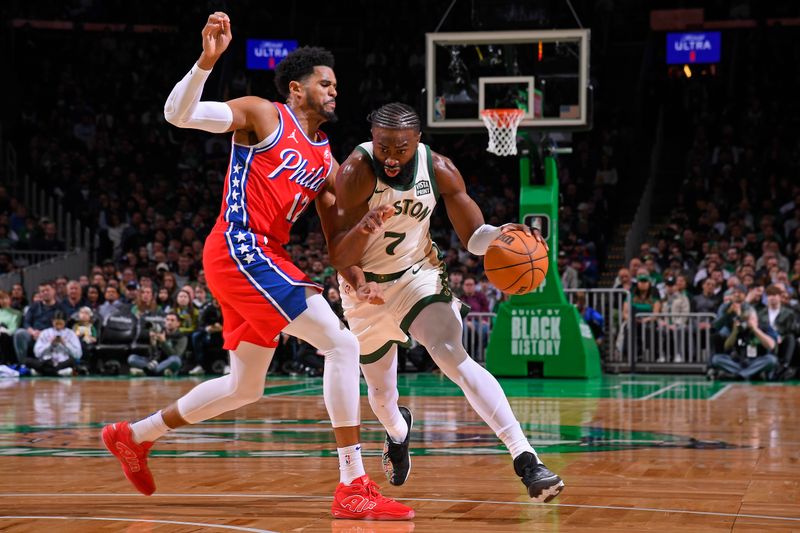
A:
(516, 263)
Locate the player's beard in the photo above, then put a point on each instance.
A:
(329, 116)
(403, 178)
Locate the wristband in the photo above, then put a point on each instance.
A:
(482, 238)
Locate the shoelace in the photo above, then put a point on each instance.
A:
(372, 490)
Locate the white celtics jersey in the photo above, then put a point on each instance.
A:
(405, 238)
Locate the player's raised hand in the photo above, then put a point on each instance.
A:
(370, 292)
(216, 35)
(374, 219)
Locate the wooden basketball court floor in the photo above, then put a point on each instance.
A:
(637, 453)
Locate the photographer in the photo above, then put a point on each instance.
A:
(748, 350)
(167, 347)
(57, 349)
(723, 324)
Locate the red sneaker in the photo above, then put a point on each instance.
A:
(361, 501)
(119, 441)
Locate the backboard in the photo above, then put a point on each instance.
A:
(546, 73)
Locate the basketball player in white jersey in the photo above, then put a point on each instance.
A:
(386, 192)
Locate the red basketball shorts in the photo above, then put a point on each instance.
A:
(257, 286)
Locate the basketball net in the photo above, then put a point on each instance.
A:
(502, 125)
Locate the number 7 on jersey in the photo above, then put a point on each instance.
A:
(398, 239)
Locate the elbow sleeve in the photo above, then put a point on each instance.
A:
(184, 109)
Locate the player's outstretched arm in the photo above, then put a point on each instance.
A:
(463, 212)
(184, 108)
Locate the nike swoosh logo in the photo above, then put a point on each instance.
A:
(379, 191)
(415, 270)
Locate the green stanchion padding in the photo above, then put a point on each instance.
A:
(541, 328)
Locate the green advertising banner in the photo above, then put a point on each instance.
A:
(541, 333)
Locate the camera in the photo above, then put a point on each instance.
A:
(156, 329)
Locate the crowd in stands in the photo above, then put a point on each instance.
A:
(731, 245)
(749, 284)
(22, 231)
(68, 323)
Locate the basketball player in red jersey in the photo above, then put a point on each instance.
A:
(280, 162)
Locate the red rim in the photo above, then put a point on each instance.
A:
(502, 112)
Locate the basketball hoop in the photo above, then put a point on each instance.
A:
(502, 125)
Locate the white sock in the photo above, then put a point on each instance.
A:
(516, 442)
(350, 465)
(397, 428)
(149, 429)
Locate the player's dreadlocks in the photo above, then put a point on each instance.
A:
(395, 116)
(300, 64)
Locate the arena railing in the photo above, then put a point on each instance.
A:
(664, 342)
(475, 337)
(26, 258)
(609, 303)
(658, 342)
(8, 280)
(70, 264)
(21, 259)
(44, 204)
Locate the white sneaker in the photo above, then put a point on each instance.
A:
(34, 373)
(136, 372)
(8, 372)
(661, 359)
(65, 372)
(197, 371)
(678, 358)
(168, 372)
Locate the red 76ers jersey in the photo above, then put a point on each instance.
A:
(268, 187)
